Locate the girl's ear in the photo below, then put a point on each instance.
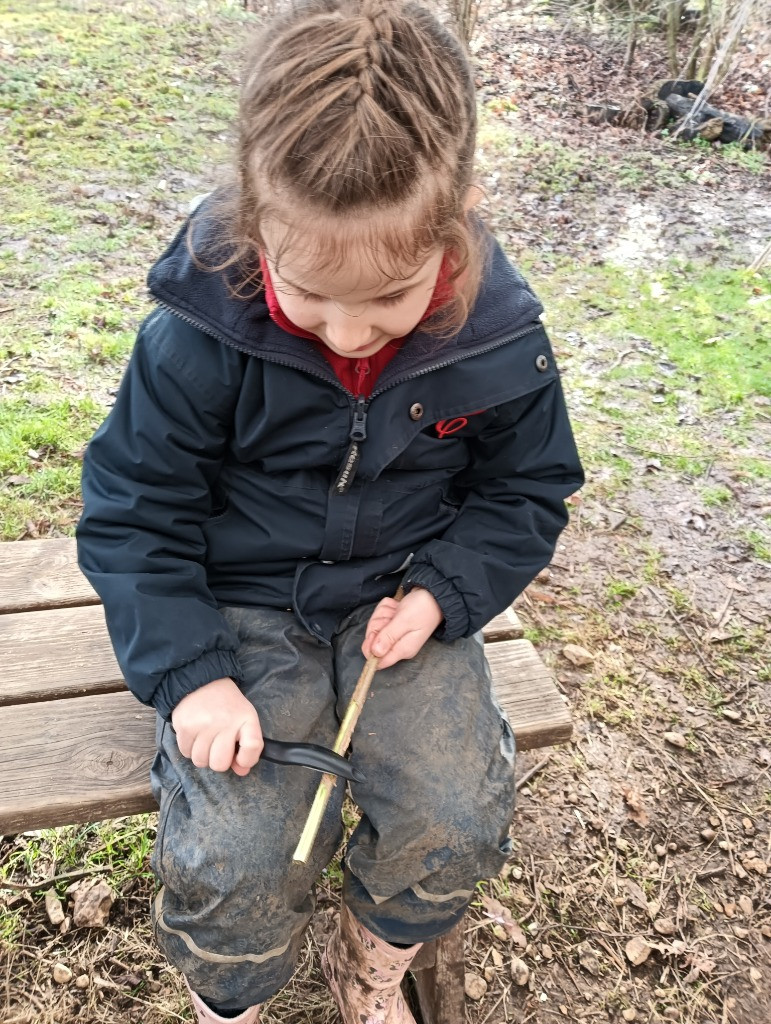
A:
(474, 196)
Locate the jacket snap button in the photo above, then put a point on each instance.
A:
(541, 363)
(416, 411)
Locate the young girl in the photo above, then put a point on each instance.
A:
(345, 387)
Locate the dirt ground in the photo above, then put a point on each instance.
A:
(638, 889)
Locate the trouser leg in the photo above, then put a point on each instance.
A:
(438, 753)
(234, 905)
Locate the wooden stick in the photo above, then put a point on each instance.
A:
(342, 742)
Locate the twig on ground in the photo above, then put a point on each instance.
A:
(533, 771)
(6, 883)
(498, 1003)
(620, 358)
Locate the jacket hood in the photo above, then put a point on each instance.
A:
(505, 304)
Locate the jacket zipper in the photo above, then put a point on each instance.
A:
(357, 436)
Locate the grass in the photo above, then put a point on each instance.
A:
(116, 119)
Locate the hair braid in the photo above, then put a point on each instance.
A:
(361, 107)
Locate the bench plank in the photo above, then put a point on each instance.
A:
(538, 712)
(505, 626)
(67, 761)
(62, 652)
(88, 758)
(42, 574)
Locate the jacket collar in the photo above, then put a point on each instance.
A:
(204, 298)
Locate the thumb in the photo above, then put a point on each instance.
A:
(385, 640)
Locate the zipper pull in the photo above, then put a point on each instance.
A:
(359, 426)
(358, 433)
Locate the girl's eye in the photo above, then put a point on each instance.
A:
(310, 297)
(392, 300)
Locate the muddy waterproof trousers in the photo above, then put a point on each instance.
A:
(438, 755)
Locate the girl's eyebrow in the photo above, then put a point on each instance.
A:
(387, 295)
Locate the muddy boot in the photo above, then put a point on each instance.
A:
(207, 1016)
(365, 974)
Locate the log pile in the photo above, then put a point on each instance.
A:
(669, 105)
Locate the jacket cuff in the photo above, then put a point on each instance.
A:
(179, 682)
(456, 618)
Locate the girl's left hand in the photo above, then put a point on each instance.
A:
(398, 629)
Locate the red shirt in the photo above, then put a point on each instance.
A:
(356, 375)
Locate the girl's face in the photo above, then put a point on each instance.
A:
(357, 309)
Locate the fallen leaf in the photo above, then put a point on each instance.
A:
(634, 802)
(502, 916)
(699, 965)
(756, 864)
(635, 895)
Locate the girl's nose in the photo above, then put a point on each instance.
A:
(347, 332)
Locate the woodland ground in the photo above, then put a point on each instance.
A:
(114, 117)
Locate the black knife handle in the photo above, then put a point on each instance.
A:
(310, 755)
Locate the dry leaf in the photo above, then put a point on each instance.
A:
(699, 965)
(635, 895)
(634, 802)
(502, 916)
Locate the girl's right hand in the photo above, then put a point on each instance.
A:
(218, 728)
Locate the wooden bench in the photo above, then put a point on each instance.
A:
(76, 746)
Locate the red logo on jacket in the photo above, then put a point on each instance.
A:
(445, 428)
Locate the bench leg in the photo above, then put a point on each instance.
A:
(439, 973)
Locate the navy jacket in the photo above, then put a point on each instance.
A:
(234, 468)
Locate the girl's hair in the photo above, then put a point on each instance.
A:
(363, 112)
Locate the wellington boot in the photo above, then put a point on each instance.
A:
(207, 1016)
(365, 974)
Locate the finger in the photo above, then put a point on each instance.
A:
(405, 647)
(199, 752)
(249, 746)
(221, 751)
(185, 744)
(388, 637)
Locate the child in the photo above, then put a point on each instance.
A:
(345, 388)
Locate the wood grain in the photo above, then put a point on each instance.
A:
(505, 626)
(440, 985)
(75, 760)
(42, 574)
(63, 652)
(538, 712)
